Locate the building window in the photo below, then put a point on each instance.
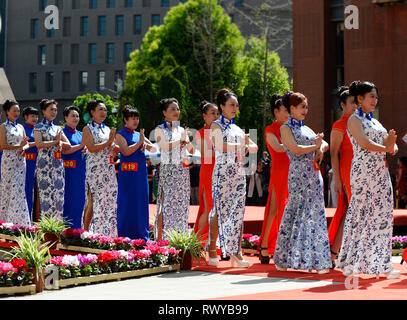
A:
(74, 53)
(75, 4)
(32, 86)
(51, 32)
(155, 20)
(165, 3)
(137, 24)
(93, 4)
(183, 1)
(128, 49)
(128, 3)
(119, 25)
(83, 80)
(110, 53)
(58, 54)
(42, 5)
(84, 26)
(239, 3)
(102, 25)
(66, 32)
(110, 3)
(92, 53)
(118, 81)
(34, 29)
(101, 80)
(49, 81)
(42, 55)
(66, 81)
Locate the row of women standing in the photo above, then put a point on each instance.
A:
(65, 173)
(362, 227)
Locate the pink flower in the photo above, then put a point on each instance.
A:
(254, 240)
(6, 267)
(105, 239)
(174, 251)
(247, 236)
(138, 243)
(163, 243)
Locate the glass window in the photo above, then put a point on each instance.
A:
(137, 25)
(110, 53)
(119, 25)
(84, 26)
(118, 81)
(42, 55)
(155, 20)
(93, 4)
(34, 29)
(128, 3)
(239, 3)
(42, 5)
(102, 25)
(101, 80)
(110, 3)
(128, 49)
(83, 80)
(165, 3)
(92, 53)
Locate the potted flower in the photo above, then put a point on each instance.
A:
(35, 254)
(188, 244)
(51, 227)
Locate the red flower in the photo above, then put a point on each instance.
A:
(108, 256)
(18, 263)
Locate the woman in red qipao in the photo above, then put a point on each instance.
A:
(278, 187)
(341, 159)
(204, 143)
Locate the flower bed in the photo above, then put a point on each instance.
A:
(10, 231)
(113, 265)
(250, 243)
(15, 277)
(80, 238)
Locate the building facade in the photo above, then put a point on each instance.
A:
(326, 55)
(88, 50)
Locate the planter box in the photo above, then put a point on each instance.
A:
(30, 289)
(250, 251)
(396, 252)
(115, 276)
(7, 237)
(79, 249)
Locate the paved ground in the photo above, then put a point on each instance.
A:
(179, 286)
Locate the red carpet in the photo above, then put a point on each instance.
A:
(253, 217)
(366, 288)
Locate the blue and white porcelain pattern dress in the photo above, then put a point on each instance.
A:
(174, 184)
(50, 172)
(228, 190)
(302, 241)
(13, 202)
(368, 228)
(101, 183)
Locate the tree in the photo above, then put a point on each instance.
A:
(254, 112)
(170, 63)
(273, 23)
(82, 101)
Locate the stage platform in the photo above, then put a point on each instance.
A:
(253, 217)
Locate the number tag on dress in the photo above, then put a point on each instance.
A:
(130, 166)
(30, 156)
(57, 155)
(111, 160)
(316, 166)
(70, 163)
(185, 163)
